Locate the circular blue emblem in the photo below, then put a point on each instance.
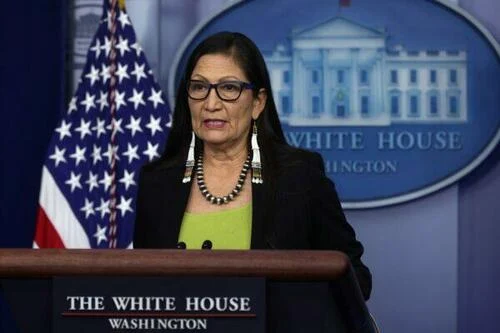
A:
(400, 97)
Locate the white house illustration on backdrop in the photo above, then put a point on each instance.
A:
(341, 73)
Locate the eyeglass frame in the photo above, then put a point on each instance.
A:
(243, 85)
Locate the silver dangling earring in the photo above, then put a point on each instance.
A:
(256, 164)
(189, 161)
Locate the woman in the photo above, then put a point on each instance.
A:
(227, 178)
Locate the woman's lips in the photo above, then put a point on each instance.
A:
(214, 123)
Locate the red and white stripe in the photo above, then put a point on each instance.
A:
(57, 225)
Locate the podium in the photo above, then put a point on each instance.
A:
(305, 291)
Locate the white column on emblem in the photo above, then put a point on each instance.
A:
(354, 101)
(326, 82)
(296, 85)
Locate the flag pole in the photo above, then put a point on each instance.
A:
(112, 106)
(338, 8)
(340, 4)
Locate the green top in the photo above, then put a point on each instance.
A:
(228, 229)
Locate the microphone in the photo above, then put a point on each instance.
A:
(207, 245)
(181, 246)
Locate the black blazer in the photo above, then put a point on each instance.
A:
(303, 212)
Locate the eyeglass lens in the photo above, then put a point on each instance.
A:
(228, 91)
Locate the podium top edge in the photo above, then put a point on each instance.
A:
(273, 264)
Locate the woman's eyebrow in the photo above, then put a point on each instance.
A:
(222, 79)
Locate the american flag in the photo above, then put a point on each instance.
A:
(345, 3)
(117, 120)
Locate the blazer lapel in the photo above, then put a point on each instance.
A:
(258, 216)
(175, 194)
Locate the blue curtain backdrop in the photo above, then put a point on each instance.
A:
(479, 221)
(32, 61)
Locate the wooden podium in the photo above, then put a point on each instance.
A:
(291, 277)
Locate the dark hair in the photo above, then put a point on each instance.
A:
(248, 57)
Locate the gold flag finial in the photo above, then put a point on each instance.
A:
(121, 3)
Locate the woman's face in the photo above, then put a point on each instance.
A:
(225, 124)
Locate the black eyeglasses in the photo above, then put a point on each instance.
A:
(227, 91)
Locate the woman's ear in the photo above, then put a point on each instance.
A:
(259, 103)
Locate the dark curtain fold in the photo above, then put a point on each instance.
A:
(32, 98)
